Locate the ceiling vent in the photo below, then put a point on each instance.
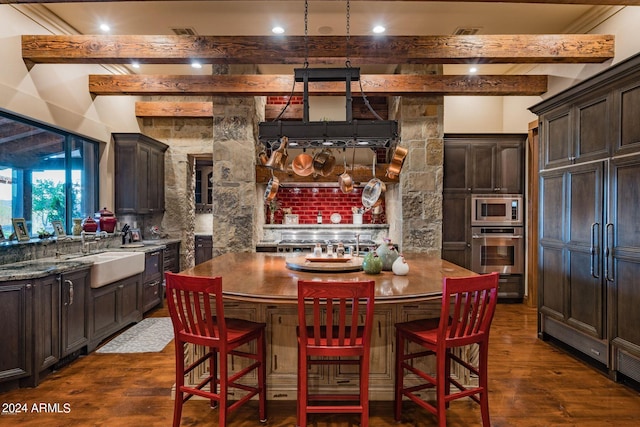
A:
(466, 31)
(184, 31)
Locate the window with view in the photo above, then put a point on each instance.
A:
(46, 174)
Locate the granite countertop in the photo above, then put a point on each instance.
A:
(43, 267)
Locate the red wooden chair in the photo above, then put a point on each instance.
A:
(339, 325)
(468, 305)
(197, 312)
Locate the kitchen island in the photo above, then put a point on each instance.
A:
(259, 287)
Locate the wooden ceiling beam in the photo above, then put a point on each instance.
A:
(174, 109)
(280, 85)
(164, 49)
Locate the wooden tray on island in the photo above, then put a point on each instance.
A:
(320, 264)
(312, 258)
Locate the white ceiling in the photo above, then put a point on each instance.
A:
(326, 17)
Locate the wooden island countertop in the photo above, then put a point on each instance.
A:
(262, 288)
(265, 278)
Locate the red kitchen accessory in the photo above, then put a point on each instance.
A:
(90, 225)
(107, 221)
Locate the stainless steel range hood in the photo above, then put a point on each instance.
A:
(337, 134)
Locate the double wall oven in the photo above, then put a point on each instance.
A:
(497, 238)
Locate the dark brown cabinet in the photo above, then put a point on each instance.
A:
(74, 326)
(152, 280)
(589, 260)
(171, 257)
(16, 314)
(484, 164)
(113, 307)
(204, 248)
(46, 325)
(475, 164)
(139, 174)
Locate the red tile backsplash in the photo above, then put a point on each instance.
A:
(306, 202)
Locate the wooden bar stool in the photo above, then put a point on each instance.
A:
(197, 312)
(340, 325)
(468, 305)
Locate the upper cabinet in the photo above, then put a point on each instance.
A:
(577, 132)
(484, 163)
(139, 174)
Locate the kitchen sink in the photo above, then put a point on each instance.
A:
(109, 267)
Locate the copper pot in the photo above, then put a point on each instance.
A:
(278, 159)
(263, 158)
(324, 162)
(302, 164)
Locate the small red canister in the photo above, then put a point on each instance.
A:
(108, 221)
(90, 225)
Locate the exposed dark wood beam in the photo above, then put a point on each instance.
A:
(270, 85)
(161, 49)
(174, 109)
(593, 2)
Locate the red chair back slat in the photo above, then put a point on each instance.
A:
(190, 301)
(473, 306)
(342, 326)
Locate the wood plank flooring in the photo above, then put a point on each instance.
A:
(531, 384)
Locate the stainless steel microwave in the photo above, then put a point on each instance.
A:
(496, 209)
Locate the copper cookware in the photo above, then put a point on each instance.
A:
(373, 191)
(324, 162)
(393, 170)
(345, 180)
(278, 159)
(302, 164)
(272, 188)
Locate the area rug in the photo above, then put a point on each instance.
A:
(148, 336)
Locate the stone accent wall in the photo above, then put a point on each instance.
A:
(419, 201)
(187, 139)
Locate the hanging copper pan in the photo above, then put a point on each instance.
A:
(272, 188)
(393, 170)
(345, 180)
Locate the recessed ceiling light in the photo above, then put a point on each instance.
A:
(277, 30)
(379, 29)
(105, 27)
(473, 70)
(196, 64)
(135, 65)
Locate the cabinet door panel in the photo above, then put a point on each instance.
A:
(15, 316)
(586, 295)
(483, 166)
(552, 283)
(624, 243)
(552, 206)
(456, 168)
(625, 314)
(557, 138)
(629, 113)
(509, 168)
(586, 203)
(47, 322)
(594, 129)
(74, 326)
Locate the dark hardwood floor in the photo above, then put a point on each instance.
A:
(531, 384)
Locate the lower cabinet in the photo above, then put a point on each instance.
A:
(16, 308)
(204, 249)
(152, 280)
(74, 325)
(113, 307)
(46, 326)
